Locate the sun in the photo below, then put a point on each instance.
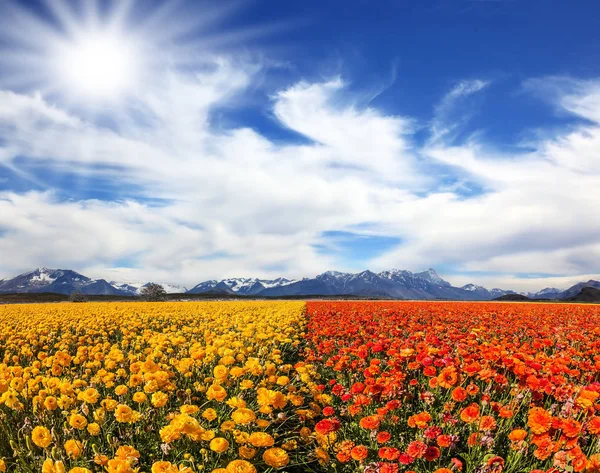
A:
(98, 65)
(102, 55)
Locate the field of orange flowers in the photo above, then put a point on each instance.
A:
(246, 387)
(475, 387)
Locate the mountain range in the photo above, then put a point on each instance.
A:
(66, 281)
(393, 284)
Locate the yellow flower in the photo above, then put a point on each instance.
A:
(118, 465)
(263, 423)
(90, 396)
(77, 421)
(101, 460)
(247, 452)
(247, 384)
(109, 404)
(41, 436)
(220, 372)
(169, 434)
(53, 467)
(164, 467)
(209, 414)
(124, 413)
(261, 439)
(243, 416)
(216, 392)
(188, 409)
(93, 429)
(121, 390)
(283, 380)
(79, 469)
(140, 397)
(73, 448)
(2, 466)
(126, 452)
(159, 399)
(50, 403)
(240, 466)
(276, 457)
(227, 425)
(219, 444)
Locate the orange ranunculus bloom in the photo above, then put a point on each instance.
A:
(539, 420)
(459, 394)
(370, 422)
(359, 453)
(448, 377)
(594, 425)
(517, 435)
(420, 420)
(487, 423)
(470, 413)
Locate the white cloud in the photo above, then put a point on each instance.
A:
(237, 203)
(451, 113)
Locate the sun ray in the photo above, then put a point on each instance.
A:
(95, 54)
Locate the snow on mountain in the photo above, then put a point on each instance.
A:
(433, 277)
(240, 286)
(61, 281)
(134, 288)
(472, 287)
(397, 284)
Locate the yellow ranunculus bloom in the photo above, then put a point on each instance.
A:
(276, 457)
(243, 416)
(41, 436)
(219, 444)
(73, 448)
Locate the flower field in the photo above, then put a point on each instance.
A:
(235, 387)
(459, 386)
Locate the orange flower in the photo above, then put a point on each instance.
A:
(470, 413)
(518, 435)
(593, 464)
(420, 420)
(370, 422)
(459, 394)
(448, 377)
(487, 423)
(539, 420)
(570, 428)
(359, 453)
(594, 425)
(545, 448)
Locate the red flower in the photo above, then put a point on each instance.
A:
(431, 454)
(327, 426)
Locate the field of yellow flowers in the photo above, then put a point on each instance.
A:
(160, 387)
(246, 387)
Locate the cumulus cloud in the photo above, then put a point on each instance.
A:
(232, 202)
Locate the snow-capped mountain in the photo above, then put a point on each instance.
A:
(547, 292)
(241, 286)
(393, 284)
(61, 281)
(484, 293)
(134, 288)
(66, 281)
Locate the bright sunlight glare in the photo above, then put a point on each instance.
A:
(98, 65)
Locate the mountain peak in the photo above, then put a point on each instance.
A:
(432, 276)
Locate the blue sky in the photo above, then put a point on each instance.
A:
(185, 141)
